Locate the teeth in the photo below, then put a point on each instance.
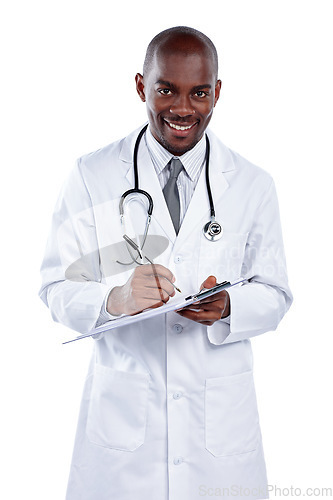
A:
(178, 127)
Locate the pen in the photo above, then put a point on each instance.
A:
(142, 255)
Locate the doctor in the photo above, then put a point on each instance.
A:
(169, 408)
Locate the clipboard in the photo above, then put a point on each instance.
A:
(171, 305)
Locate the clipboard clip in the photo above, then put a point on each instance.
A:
(208, 291)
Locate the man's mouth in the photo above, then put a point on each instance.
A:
(180, 127)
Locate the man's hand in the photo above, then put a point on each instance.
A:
(208, 310)
(148, 286)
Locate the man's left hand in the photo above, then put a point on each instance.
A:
(211, 309)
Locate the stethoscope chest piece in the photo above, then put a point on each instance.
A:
(213, 231)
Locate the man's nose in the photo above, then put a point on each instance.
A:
(182, 106)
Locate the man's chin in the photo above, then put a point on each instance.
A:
(179, 146)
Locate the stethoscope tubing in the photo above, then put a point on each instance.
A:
(209, 191)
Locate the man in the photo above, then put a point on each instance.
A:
(169, 408)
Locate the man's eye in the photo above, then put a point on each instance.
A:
(165, 91)
(201, 93)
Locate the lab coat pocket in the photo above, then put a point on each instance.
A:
(232, 423)
(118, 409)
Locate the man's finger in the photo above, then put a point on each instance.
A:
(156, 269)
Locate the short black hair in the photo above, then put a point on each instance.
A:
(171, 33)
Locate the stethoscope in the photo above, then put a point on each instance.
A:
(212, 229)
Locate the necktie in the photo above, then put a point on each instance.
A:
(171, 194)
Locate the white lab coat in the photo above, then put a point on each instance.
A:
(169, 407)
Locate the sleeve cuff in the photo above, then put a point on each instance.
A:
(104, 316)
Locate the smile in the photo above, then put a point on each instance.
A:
(179, 127)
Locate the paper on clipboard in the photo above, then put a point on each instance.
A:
(172, 305)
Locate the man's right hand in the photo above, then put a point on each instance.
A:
(148, 286)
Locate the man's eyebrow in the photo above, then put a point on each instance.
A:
(201, 87)
(194, 89)
(165, 83)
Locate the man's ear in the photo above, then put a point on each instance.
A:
(140, 87)
(217, 91)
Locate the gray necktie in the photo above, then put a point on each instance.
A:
(171, 194)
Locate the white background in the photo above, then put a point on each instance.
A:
(67, 89)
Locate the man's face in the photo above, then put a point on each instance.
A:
(180, 92)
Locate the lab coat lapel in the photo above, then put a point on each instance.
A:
(198, 212)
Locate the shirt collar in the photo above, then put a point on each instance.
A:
(192, 160)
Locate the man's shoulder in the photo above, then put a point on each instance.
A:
(121, 149)
(236, 164)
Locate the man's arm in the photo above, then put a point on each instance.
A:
(259, 305)
(78, 300)
(73, 301)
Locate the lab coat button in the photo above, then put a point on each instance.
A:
(178, 259)
(177, 395)
(178, 460)
(177, 328)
